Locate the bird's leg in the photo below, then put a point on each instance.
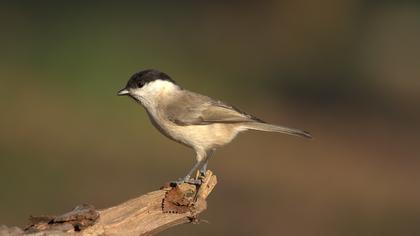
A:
(204, 168)
(202, 159)
(206, 162)
(187, 178)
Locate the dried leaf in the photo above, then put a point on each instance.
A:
(176, 201)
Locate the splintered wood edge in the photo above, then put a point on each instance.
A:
(144, 216)
(208, 185)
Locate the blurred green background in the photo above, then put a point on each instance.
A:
(346, 70)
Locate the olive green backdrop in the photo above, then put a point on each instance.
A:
(346, 70)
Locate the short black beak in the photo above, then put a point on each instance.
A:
(123, 92)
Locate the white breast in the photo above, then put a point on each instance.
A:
(155, 95)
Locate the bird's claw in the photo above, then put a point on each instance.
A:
(186, 179)
(194, 181)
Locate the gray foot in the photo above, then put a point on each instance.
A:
(203, 169)
(187, 179)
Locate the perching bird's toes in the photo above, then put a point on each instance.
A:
(194, 181)
(188, 180)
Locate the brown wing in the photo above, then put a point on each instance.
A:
(196, 109)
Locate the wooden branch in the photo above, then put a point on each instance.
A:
(145, 215)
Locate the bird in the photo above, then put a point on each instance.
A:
(192, 119)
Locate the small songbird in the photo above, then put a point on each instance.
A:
(197, 121)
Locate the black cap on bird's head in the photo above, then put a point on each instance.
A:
(142, 78)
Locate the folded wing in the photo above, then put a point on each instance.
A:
(196, 109)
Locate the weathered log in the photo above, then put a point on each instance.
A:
(145, 215)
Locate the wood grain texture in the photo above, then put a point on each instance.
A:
(145, 215)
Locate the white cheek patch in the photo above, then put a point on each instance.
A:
(154, 87)
(150, 92)
(159, 85)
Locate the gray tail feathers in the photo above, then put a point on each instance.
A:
(276, 128)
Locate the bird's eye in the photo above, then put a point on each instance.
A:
(140, 84)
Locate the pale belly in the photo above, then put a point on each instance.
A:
(203, 137)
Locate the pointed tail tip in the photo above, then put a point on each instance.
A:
(306, 134)
(303, 134)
